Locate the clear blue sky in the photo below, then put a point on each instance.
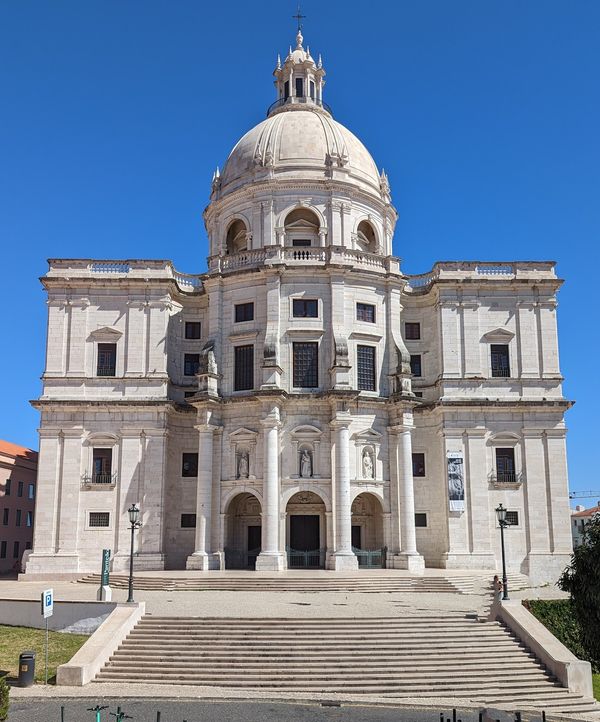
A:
(485, 115)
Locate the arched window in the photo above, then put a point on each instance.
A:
(301, 228)
(366, 237)
(237, 237)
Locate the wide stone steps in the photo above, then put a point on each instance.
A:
(452, 656)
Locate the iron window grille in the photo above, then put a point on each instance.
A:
(99, 519)
(412, 331)
(365, 312)
(365, 362)
(243, 368)
(415, 364)
(244, 312)
(505, 465)
(512, 518)
(305, 308)
(107, 359)
(193, 329)
(306, 365)
(500, 360)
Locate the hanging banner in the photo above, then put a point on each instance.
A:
(456, 480)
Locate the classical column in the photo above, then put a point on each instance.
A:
(271, 558)
(343, 558)
(203, 558)
(409, 558)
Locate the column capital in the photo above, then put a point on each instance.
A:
(400, 428)
(341, 420)
(206, 428)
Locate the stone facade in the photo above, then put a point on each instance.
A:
(311, 378)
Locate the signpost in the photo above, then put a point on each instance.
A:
(47, 604)
(105, 592)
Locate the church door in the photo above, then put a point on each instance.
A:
(254, 545)
(356, 540)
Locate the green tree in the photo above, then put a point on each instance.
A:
(582, 580)
(4, 692)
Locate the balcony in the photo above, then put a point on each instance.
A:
(506, 479)
(106, 371)
(297, 100)
(99, 480)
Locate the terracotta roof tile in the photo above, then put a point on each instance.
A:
(10, 449)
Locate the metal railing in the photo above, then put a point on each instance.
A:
(298, 100)
(371, 558)
(106, 371)
(506, 477)
(99, 479)
(312, 559)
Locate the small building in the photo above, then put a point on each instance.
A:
(18, 476)
(580, 518)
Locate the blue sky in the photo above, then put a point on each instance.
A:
(485, 116)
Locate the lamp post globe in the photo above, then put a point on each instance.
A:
(501, 513)
(134, 520)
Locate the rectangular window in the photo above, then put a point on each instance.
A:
(31, 491)
(418, 464)
(312, 89)
(244, 312)
(189, 464)
(415, 364)
(3, 550)
(301, 242)
(243, 368)
(188, 394)
(418, 394)
(500, 362)
(7, 487)
(191, 364)
(306, 365)
(107, 359)
(286, 89)
(365, 363)
(505, 465)
(420, 519)
(102, 466)
(5, 517)
(299, 87)
(188, 521)
(18, 519)
(512, 518)
(16, 550)
(365, 312)
(412, 331)
(29, 518)
(20, 489)
(98, 519)
(305, 308)
(27, 545)
(192, 329)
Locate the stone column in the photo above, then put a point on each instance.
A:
(409, 558)
(203, 558)
(271, 558)
(344, 558)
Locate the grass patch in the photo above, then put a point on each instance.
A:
(596, 681)
(14, 640)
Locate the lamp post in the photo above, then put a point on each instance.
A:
(501, 515)
(134, 516)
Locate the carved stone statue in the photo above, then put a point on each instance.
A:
(367, 463)
(243, 465)
(305, 464)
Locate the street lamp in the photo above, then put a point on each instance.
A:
(501, 514)
(134, 516)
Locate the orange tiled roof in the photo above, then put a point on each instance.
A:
(10, 449)
(586, 512)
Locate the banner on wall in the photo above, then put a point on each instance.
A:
(456, 480)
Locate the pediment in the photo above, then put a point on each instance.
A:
(306, 430)
(499, 335)
(300, 225)
(242, 434)
(367, 435)
(106, 333)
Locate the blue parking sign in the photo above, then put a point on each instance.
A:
(47, 603)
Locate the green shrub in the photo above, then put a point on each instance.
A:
(558, 615)
(4, 692)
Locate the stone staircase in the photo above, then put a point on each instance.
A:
(429, 656)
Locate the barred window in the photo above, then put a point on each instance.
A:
(365, 312)
(305, 308)
(412, 331)
(512, 518)
(420, 519)
(107, 359)
(188, 521)
(191, 364)
(365, 362)
(244, 312)
(99, 519)
(415, 364)
(189, 464)
(418, 464)
(505, 465)
(243, 368)
(306, 365)
(192, 329)
(500, 360)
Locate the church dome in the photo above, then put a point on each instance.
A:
(300, 143)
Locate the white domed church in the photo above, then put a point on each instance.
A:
(304, 403)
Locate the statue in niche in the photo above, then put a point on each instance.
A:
(243, 465)
(305, 464)
(367, 463)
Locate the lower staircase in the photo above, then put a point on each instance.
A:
(449, 656)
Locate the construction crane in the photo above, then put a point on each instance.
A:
(584, 495)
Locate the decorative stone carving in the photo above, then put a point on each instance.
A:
(305, 464)
(243, 465)
(367, 464)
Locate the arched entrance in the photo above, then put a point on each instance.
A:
(367, 531)
(306, 532)
(242, 532)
